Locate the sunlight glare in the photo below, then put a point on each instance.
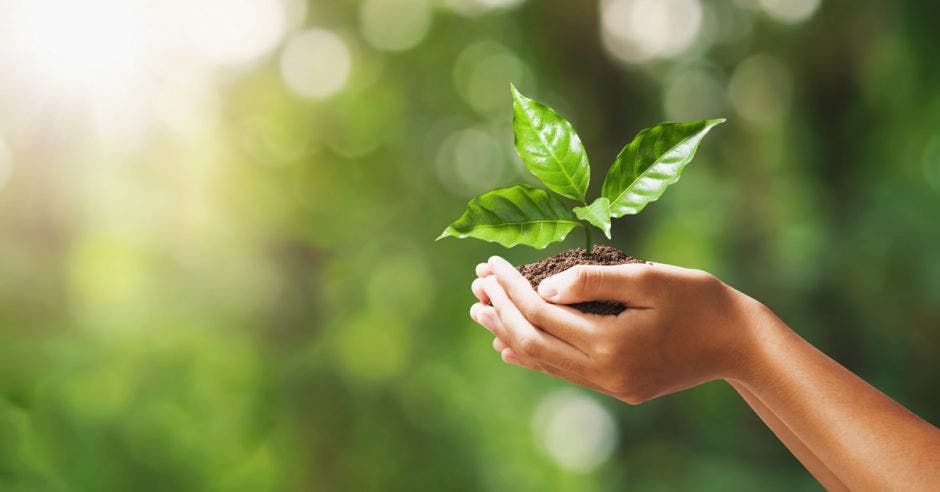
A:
(89, 44)
(102, 68)
(72, 38)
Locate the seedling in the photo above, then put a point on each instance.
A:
(552, 151)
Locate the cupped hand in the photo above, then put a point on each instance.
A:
(682, 327)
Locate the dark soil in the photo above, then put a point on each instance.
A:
(600, 255)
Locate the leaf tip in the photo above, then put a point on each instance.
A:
(444, 234)
(516, 95)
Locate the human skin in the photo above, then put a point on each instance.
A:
(685, 327)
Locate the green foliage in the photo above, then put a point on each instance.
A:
(521, 214)
(597, 213)
(553, 152)
(651, 162)
(550, 147)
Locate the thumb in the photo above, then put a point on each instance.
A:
(582, 283)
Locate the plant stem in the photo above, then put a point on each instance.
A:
(588, 244)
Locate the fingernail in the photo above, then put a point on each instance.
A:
(473, 312)
(485, 319)
(548, 290)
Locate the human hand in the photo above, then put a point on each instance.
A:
(682, 328)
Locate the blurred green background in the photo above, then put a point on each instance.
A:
(217, 267)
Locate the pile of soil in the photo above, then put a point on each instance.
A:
(600, 255)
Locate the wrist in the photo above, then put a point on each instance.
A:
(759, 332)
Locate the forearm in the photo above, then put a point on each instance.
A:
(799, 450)
(866, 439)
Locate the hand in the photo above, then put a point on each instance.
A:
(682, 327)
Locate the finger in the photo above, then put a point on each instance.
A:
(628, 284)
(475, 311)
(483, 269)
(526, 340)
(561, 322)
(487, 317)
(477, 288)
(510, 357)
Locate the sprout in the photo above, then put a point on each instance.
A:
(553, 152)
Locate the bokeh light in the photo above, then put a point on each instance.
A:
(693, 93)
(470, 160)
(574, 429)
(316, 63)
(725, 23)
(790, 11)
(761, 89)
(641, 30)
(252, 28)
(477, 7)
(394, 25)
(481, 72)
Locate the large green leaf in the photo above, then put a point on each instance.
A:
(521, 214)
(651, 162)
(597, 213)
(550, 148)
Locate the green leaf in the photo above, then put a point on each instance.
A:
(597, 213)
(651, 162)
(521, 214)
(550, 148)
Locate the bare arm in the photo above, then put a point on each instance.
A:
(814, 465)
(867, 439)
(684, 328)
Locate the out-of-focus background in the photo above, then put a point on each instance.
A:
(217, 266)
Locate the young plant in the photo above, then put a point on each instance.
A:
(553, 152)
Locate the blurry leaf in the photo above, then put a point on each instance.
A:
(550, 147)
(521, 214)
(597, 213)
(651, 162)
